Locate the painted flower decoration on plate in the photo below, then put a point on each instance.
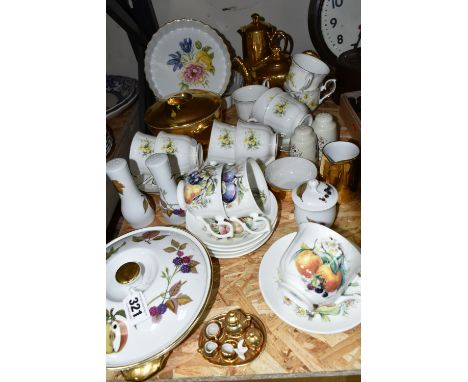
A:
(194, 62)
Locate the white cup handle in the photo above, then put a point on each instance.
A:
(330, 92)
(266, 83)
(180, 195)
(256, 218)
(220, 221)
(309, 78)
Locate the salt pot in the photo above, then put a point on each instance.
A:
(135, 207)
(325, 128)
(315, 202)
(160, 168)
(304, 143)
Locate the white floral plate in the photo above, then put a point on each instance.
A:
(324, 320)
(187, 54)
(239, 241)
(175, 278)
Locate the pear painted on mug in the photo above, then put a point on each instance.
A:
(191, 192)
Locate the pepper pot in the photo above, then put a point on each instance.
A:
(315, 202)
(304, 144)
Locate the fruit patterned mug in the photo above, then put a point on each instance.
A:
(318, 266)
(200, 193)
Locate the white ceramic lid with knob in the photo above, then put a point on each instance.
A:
(314, 195)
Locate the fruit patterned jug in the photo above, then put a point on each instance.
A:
(317, 267)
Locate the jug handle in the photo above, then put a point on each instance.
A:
(287, 41)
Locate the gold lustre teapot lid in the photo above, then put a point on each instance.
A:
(183, 109)
(258, 24)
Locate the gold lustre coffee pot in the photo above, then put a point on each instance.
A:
(258, 39)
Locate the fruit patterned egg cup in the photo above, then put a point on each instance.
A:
(317, 267)
(232, 339)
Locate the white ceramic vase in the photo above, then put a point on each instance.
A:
(135, 207)
(159, 166)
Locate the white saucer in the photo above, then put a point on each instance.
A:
(234, 243)
(243, 251)
(348, 313)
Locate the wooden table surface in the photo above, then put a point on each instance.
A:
(288, 350)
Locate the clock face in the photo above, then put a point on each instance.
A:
(340, 22)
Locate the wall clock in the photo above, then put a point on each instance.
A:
(334, 27)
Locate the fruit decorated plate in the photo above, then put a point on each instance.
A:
(243, 251)
(327, 319)
(187, 54)
(174, 272)
(241, 238)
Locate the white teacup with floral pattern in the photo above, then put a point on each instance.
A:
(141, 148)
(284, 114)
(313, 98)
(305, 73)
(245, 97)
(186, 152)
(200, 193)
(317, 267)
(245, 194)
(254, 140)
(222, 141)
(261, 104)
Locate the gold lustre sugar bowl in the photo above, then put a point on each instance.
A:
(190, 112)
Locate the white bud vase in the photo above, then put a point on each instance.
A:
(325, 128)
(135, 207)
(160, 168)
(304, 144)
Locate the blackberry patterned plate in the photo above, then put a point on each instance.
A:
(174, 272)
(187, 54)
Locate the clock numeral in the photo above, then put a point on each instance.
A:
(340, 39)
(337, 3)
(333, 22)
